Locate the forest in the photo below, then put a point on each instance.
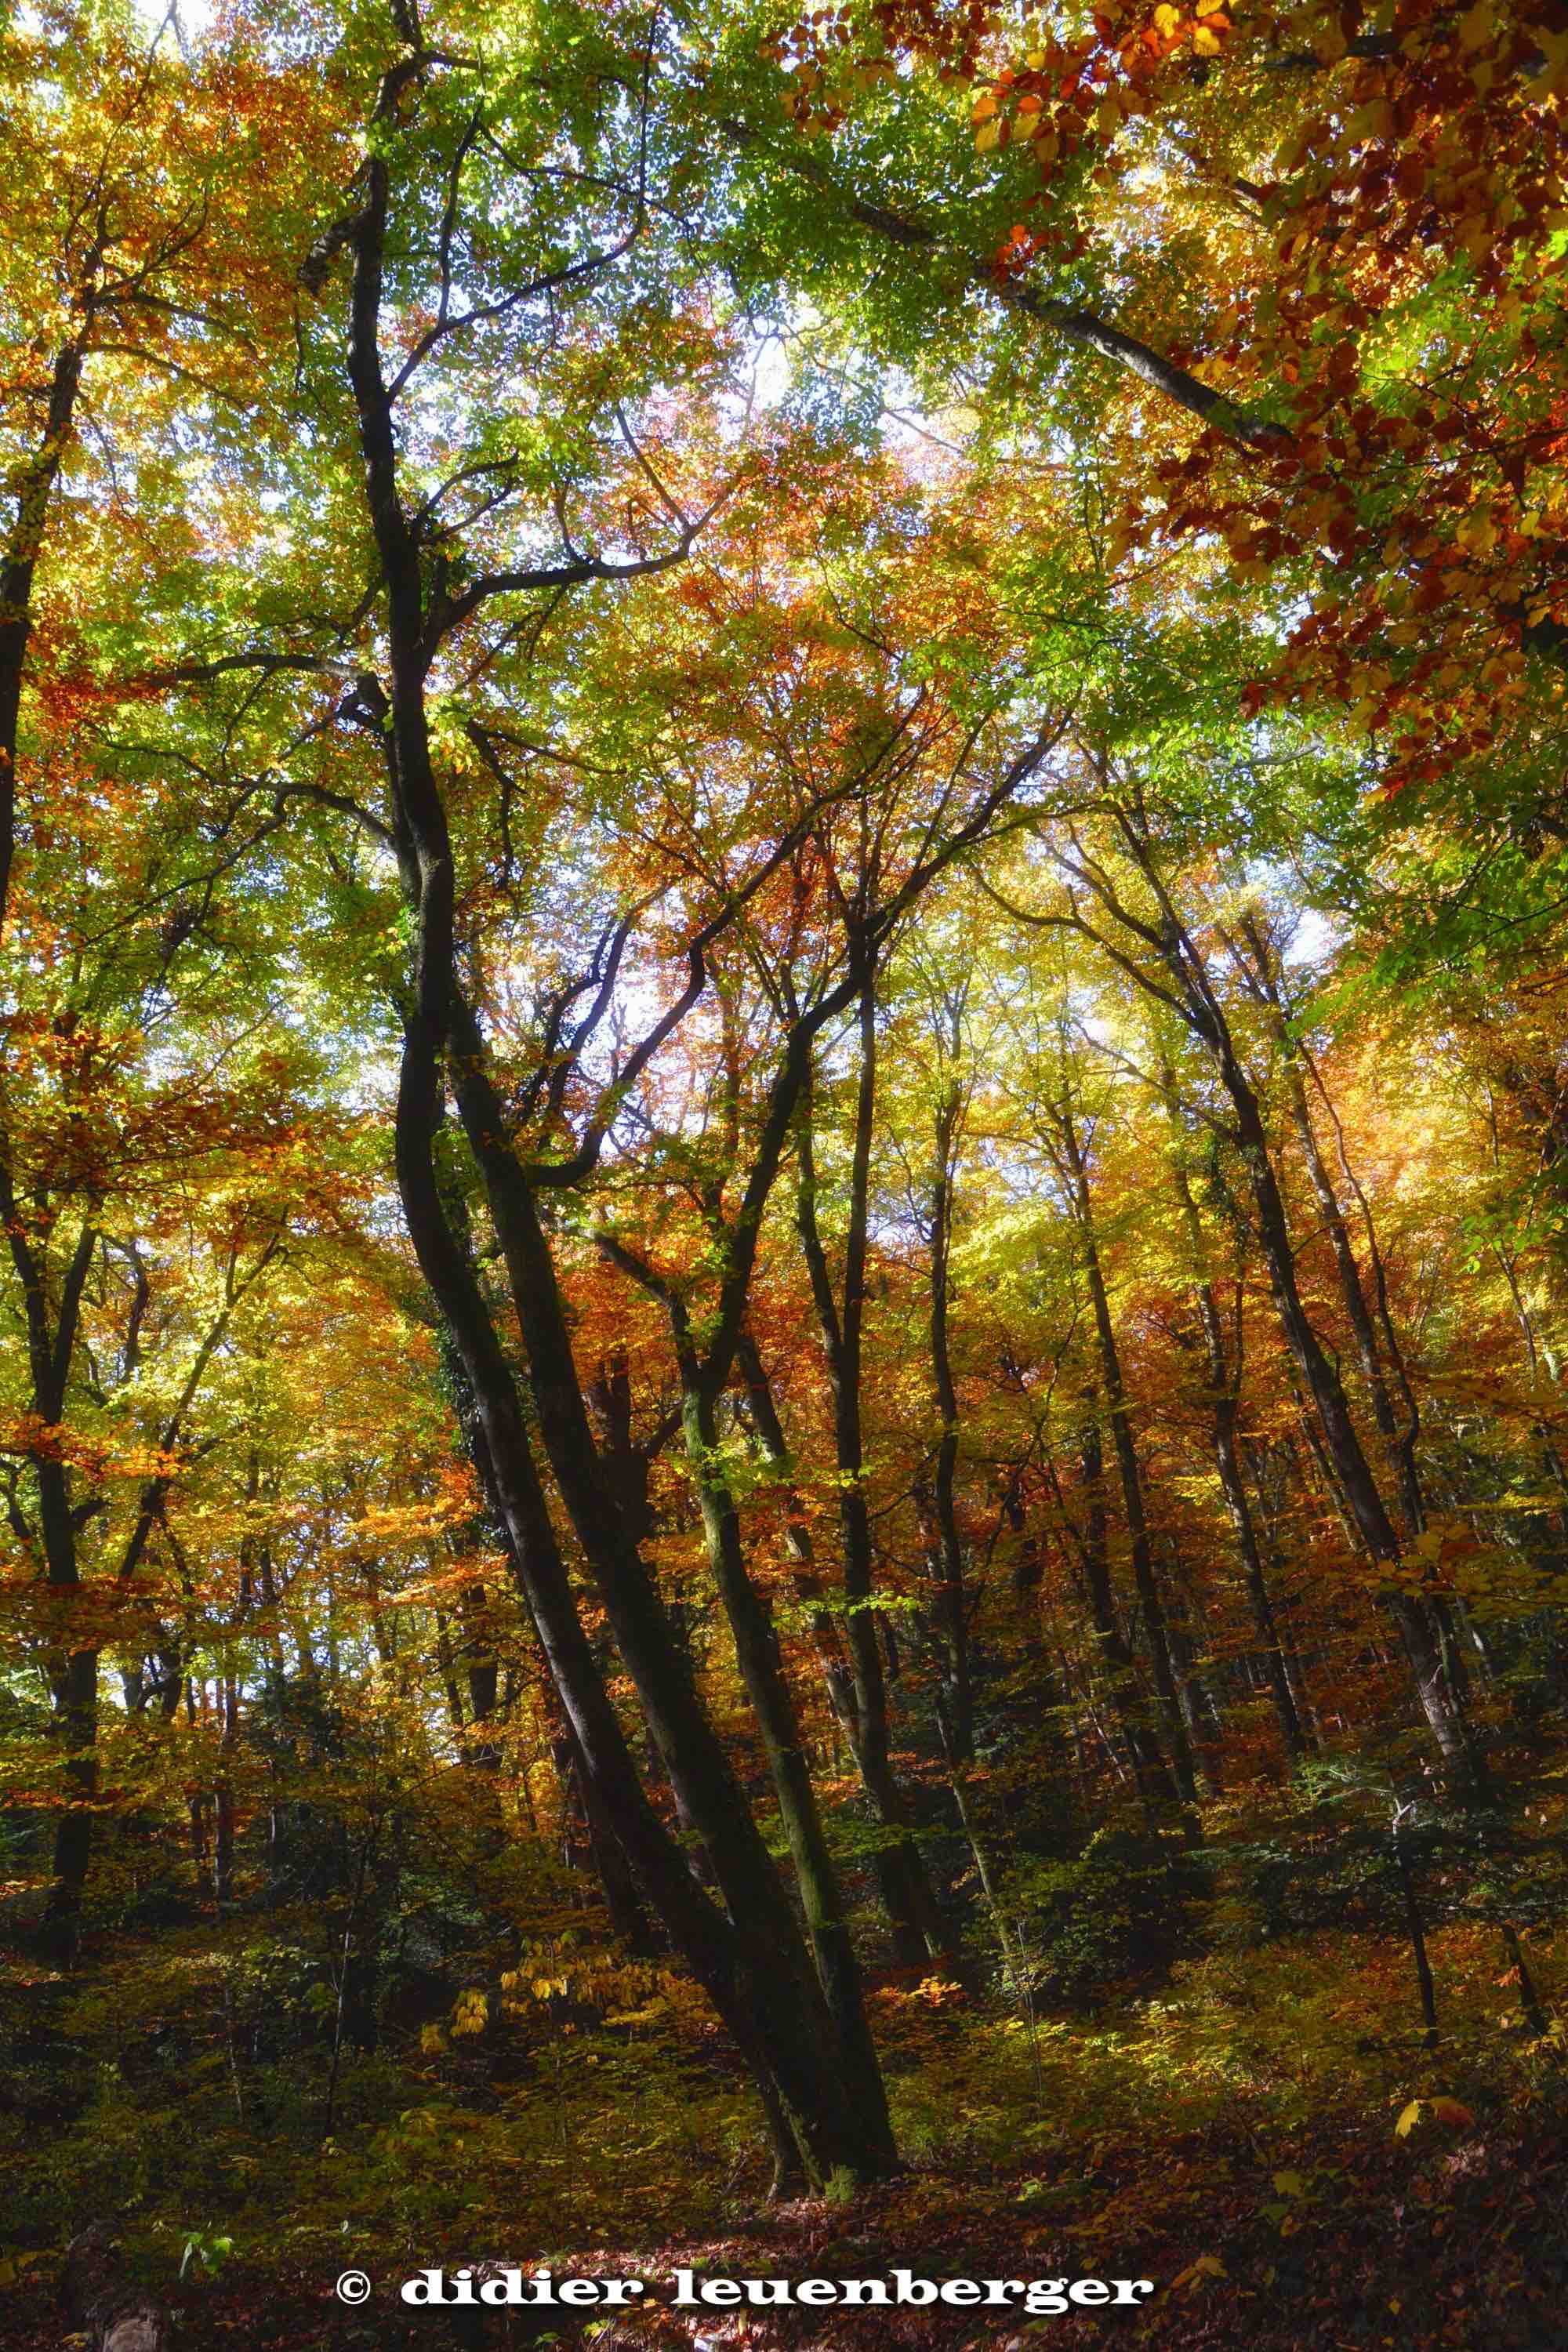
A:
(784, 1154)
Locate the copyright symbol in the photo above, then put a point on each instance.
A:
(353, 2287)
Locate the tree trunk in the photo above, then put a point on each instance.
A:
(628, 1915)
(752, 1964)
(1400, 1444)
(905, 1886)
(31, 491)
(1065, 1128)
(103, 2306)
(75, 1726)
(1225, 1403)
(223, 1796)
(1149, 1769)
(757, 1656)
(957, 1711)
(902, 1881)
(1194, 997)
(1410, 1612)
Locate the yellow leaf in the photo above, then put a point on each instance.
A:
(1166, 19)
(1208, 2266)
(1554, 47)
(1374, 122)
(987, 136)
(1478, 531)
(1205, 43)
(1409, 2119)
(1477, 27)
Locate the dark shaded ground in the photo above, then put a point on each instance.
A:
(1449, 2237)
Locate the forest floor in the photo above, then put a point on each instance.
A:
(1234, 2139)
(1476, 2255)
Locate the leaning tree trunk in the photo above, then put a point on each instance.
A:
(1400, 1444)
(757, 1654)
(752, 1963)
(1411, 1612)
(758, 1657)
